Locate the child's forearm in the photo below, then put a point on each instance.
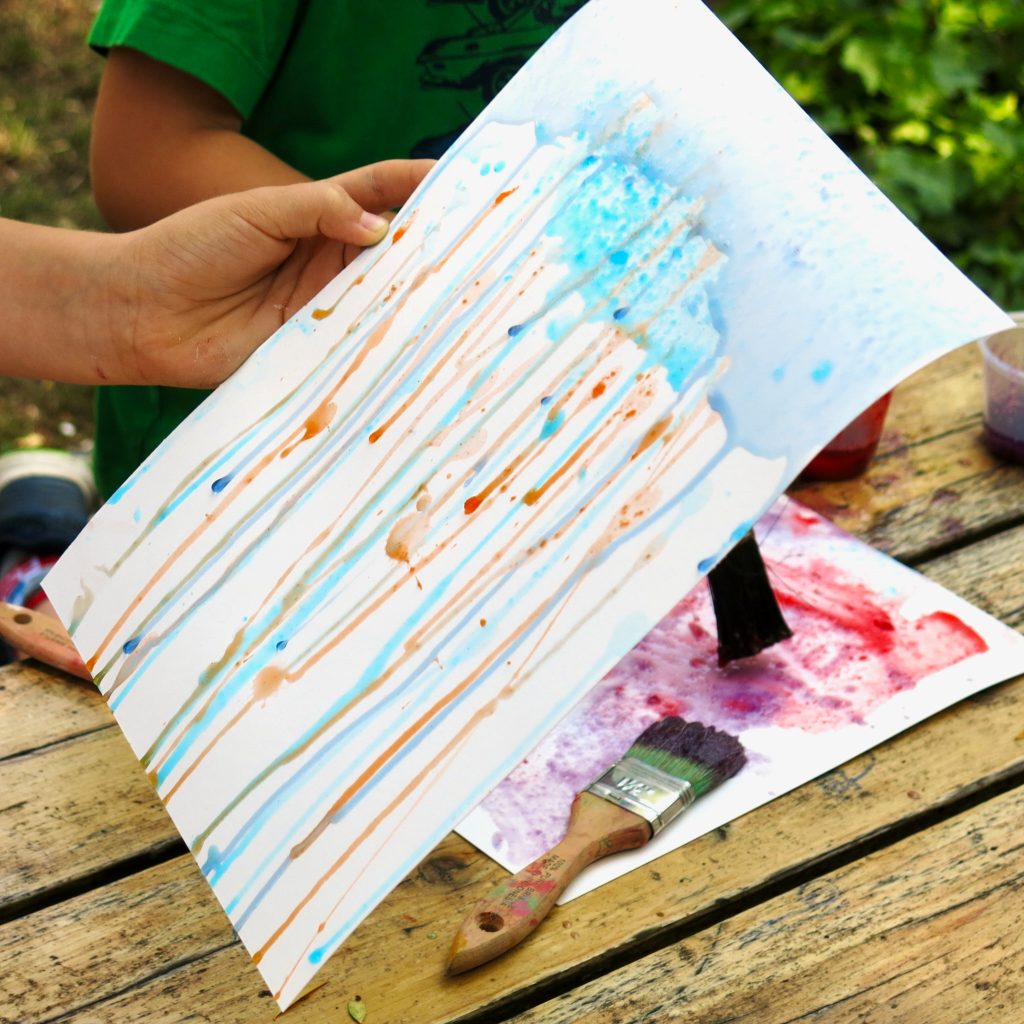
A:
(60, 321)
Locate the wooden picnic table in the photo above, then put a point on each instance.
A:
(889, 889)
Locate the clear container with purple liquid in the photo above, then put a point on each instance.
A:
(1003, 358)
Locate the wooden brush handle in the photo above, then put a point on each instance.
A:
(516, 906)
(41, 637)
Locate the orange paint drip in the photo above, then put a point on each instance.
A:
(268, 681)
(472, 504)
(502, 196)
(652, 435)
(398, 234)
(532, 496)
(599, 389)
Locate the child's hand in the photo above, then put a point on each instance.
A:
(198, 291)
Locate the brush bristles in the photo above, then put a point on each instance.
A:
(700, 754)
(747, 614)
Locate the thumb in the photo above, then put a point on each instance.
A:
(289, 212)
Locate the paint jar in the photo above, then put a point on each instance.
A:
(849, 452)
(1003, 359)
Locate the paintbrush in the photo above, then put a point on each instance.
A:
(746, 612)
(671, 764)
(42, 637)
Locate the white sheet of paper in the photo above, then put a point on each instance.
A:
(876, 648)
(345, 597)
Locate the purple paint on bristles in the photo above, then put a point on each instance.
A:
(719, 753)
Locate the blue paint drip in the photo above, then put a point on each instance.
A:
(516, 329)
(220, 483)
(620, 312)
(281, 644)
(552, 423)
(131, 644)
(822, 371)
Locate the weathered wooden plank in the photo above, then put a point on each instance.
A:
(38, 707)
(90, 947)
(989, 574)
(930, 930)
(936, 494)
(395, 960)
(73, 809)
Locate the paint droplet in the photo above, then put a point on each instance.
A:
(219, 484)
(483, 622)
(268, 682)
(406, 536)
(322, 314)
(620, 312)
(398, 234)
(822, 371)
(546, 400)
(516, 329)
(619, 257)
(502, 196)
(131, 645)
(598, 389)
(281, 644)
(472, 504)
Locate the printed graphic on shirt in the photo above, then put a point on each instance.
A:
(481, 61)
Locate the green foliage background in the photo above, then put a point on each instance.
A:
(925, 97)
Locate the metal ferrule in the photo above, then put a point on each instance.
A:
(639, 787)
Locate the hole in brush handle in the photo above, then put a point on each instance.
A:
(488, 921)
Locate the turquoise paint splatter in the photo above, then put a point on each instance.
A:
(822, 371)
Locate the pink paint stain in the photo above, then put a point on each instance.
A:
(851, 652)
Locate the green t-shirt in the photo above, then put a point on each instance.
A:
(325, 85)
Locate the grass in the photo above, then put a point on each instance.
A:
(48, 81)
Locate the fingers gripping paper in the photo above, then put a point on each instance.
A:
(354, 589)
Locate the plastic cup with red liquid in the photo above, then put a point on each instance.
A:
(849, 452)
(1003, 360)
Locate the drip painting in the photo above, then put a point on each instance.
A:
(369, 573)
